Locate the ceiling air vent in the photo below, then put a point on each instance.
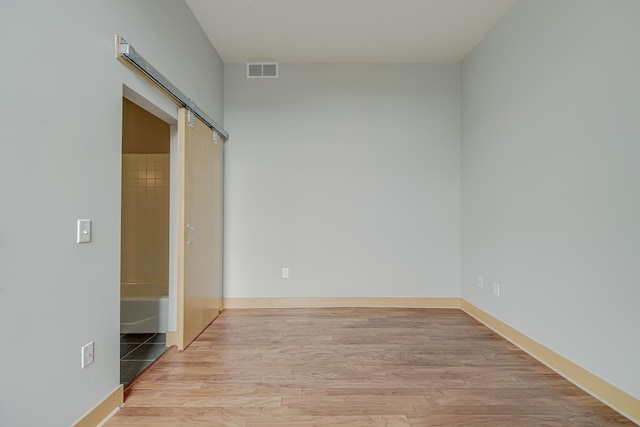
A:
(262, 70)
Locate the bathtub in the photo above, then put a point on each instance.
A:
(143, 314)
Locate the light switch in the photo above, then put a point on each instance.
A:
(84, 231)
(87, 355)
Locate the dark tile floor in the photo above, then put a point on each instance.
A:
(137, 351)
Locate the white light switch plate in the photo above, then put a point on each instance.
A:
(87, 355)
(496, 289)
(84, 231)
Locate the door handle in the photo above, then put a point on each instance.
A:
(193, 234)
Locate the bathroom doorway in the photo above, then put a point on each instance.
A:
(145, 239)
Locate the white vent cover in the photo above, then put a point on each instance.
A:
(262, 70)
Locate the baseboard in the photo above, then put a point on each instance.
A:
(173, 338)
(341, 302)
(607, 393)
(103, 410)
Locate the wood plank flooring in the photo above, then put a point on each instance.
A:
(355, 367)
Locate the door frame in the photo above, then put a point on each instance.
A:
(158, 104)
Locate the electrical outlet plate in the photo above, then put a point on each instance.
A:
(87, 355)
(480, 282)
(496, 289)
(285, 272)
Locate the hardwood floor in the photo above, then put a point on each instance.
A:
(355, 367)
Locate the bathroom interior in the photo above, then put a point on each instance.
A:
(144, 265)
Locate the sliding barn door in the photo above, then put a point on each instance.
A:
(200, 229)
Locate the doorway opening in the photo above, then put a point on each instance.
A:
(145, 240)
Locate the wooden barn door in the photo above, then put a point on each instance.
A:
(199, 229)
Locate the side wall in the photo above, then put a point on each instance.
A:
(60, 116)
(348, 175)
(551, 203)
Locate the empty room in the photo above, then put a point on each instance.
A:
(374, 213)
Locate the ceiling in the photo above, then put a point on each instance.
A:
(347, 30)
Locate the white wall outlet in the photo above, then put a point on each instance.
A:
(480, 282)
(496, 289)
(87, 355)
(285, 272)
(83, 234)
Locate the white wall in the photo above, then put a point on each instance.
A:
(551, 197)
(60, 117)
(349, 175)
